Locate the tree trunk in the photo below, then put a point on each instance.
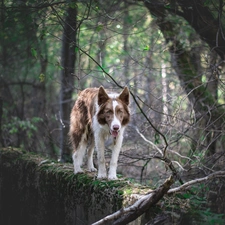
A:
(184, 62)
(204, 17)
(1, 114)
(67, 78)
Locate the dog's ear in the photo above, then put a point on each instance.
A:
(125, 96)
(102, 96)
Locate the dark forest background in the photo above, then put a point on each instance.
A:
(169, 53)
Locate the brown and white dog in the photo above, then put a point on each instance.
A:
(96, 116)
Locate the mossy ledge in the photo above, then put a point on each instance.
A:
(35, 190)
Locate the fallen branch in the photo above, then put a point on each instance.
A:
(196, 181)
(126, 215)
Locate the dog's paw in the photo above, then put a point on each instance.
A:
(102, 176)
(92, 169)
(78, 170)
(112, 177)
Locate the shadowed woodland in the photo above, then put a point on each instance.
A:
(170, 54)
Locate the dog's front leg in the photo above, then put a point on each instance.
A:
(90, 164)
(114, 158)
(100, 147)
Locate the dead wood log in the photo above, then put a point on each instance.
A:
(126, 215)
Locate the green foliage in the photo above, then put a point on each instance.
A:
(147, 48)
(211, 218)
(42, 77)
(196, 207)
(16, 125)
(34, 53)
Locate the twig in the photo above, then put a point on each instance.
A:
(159, 132)
(182, 168)
(168, 162)
(151, 143)
(182, 156)
(196, 181)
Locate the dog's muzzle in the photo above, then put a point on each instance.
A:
(115, 131)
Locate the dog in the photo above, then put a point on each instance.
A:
(96, 116)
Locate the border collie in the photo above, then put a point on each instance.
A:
(96, 116)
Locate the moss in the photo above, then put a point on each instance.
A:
(47, 192)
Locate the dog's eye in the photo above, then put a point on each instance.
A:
(120, 111)
(108, 111)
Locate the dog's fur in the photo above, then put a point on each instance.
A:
(96, 116)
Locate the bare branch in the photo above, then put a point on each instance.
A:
(151, 143)
(196, 181)
(126, 215)
(168, 162)
(182, 168)
(178, 154)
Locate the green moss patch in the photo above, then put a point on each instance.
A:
(42, 191)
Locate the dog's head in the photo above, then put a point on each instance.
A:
(113, 110)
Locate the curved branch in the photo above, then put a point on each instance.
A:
(126, 215)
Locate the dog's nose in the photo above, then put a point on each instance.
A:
(116, 127)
